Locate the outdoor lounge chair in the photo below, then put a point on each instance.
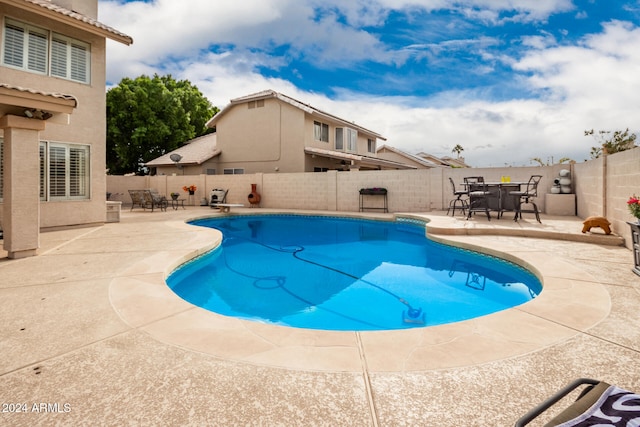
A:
(157, 200)
(599, 404)
(148, 199)
(137, 199)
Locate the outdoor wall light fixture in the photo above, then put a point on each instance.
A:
(32, 113)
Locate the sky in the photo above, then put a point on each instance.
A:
(508, 80)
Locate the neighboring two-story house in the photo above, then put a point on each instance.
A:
(271, 132)
(52, 117)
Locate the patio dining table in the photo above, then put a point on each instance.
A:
(499, 199)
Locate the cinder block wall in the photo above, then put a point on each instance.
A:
(602, 187)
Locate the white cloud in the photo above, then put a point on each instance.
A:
(589, 85)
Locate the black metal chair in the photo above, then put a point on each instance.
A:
(458, 202)
(478, 194)
(526, 196)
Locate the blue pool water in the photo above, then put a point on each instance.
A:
(345, 274)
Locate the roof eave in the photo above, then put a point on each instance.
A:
(71, 18)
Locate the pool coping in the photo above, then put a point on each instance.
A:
(571, 303)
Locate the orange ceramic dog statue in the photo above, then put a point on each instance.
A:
(596, 221)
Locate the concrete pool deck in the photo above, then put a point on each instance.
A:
(91, 324)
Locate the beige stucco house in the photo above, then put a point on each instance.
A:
(270, 132)
(52, 118)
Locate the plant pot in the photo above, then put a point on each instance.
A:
(191, 193)
(174, 196)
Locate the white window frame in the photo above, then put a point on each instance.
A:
(233, 171)
(67, 175)
(320, 131)
(45, 52)
(76, 186)
(371, 145)
(346, 139)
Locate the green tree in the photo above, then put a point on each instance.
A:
(457, 149)
(611, 142)
(148, 117)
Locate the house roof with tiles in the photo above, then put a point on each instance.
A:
(294, 102)
(194, 152)
(54, 11)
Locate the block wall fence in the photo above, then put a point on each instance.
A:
(602, 187)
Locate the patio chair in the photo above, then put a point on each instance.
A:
(137, 198)
(478, 194)
(526, 196)
(458, 202)
(598, 403)
(158, 200)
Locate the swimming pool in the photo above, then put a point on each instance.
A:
(336, 273)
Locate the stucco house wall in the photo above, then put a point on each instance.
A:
(88, 119)
(260, 138)
(87, 122)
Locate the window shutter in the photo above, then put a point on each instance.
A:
(77, 172)
(13, 45)
(79, 63)
(37, 52)
(57, 165)
(43, 171)
(27, 47)
(59, 58)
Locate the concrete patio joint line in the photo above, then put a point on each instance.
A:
(367, 382)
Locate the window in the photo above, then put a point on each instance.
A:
(237, 171)
(346, 139)
(371, 145)
(210, 171)
(64, 171)
(40, 51)
(320, 131)
(69, 59)
(256, 104)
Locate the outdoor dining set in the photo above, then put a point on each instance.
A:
(477, 195)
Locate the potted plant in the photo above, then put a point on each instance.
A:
(174, 196)
(190, 188)
(634, 207)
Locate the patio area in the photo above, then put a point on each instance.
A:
(90, 330)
